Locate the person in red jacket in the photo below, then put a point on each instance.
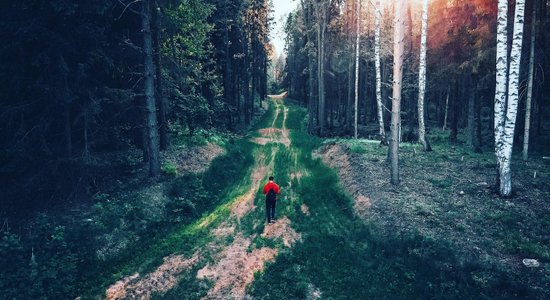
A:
(271, 190)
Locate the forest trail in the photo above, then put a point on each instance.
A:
(238, 245)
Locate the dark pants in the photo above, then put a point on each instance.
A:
(270, 209)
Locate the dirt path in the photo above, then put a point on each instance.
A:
(231, 268)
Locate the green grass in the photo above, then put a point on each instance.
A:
(209, 196)
(347, 259)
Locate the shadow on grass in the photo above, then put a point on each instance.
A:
(343, 258)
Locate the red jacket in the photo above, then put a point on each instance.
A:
(271, 185)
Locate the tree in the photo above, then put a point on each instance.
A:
(422, 79)
(379, 105)
(398, 53)
(530, 83)
(149, 84)
(507, 95)
(356, 106)
(321, 14)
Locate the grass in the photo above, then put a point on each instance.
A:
(347, 259)
(209, 195)
(339, 256)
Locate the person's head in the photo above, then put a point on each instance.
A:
(271, 178)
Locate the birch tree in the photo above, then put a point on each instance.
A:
(507, 95)
(398, 53)
(377, 17)
(355, 109)
(530, 84)
(422, 79)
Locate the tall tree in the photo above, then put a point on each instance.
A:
(506, 104)
(161, 101)
(356, 106)
(380, 109)
(398, 53)
(530, 83)
(149, 83)
(422, 79)
(321, 14)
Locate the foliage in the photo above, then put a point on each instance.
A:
(45, 270)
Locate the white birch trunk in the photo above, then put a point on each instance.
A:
(422, 78)
(398, 51)
(530, 84)
(501, 76)
(355, 110)
(506, 111)
(513, 100)
(377, 25)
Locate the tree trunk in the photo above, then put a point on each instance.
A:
(356, 106)
(161, 101)
(321, 26)
(513, 100)
(501, 79)
(446, 108)
(149, 73)
(380, 108)
(506, 111)
(478, 137)
(350, 72)
(530, 84)
(306, 7)
(453, 137)
(471, 110)
(398, 51)
(422, 79)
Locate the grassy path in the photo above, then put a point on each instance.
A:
(218, 256)
(318, 249)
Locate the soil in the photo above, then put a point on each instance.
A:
(273, 135)
(282, 230)
(235, 269)
(161, 280)
(195, 159)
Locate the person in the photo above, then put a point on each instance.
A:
(271, 190)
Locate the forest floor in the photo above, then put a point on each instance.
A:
(443, 233)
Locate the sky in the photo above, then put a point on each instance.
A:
(281, 9)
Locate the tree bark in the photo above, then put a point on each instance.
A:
(350, 71)
(398, 51)
(356, 106)
(380, 109)
(161, 101)
(506, 112)
(149, 73)
(453, 137)
(471, 110)
(446, 108)
(501, 79)
(422, 79)
(321, 26)
(530, 84)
